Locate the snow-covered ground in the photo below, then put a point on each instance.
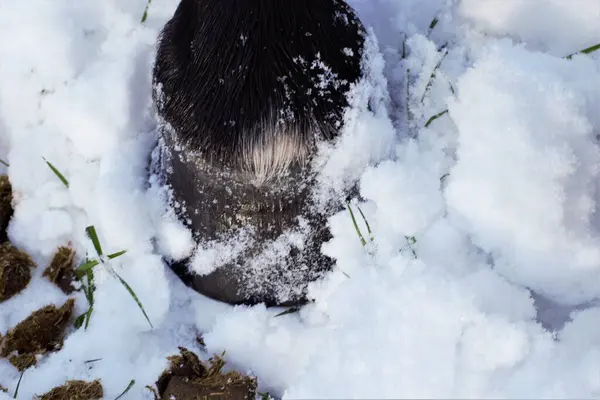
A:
(500, 194)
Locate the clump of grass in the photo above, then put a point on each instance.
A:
(86, 269)
(145, 16)
(61, 270)
(41, 332)
(6, 210)
(15, 270)
(75, 390)
(189, 378)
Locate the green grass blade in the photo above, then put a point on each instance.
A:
(288, 311)
(88, 316)
(91, 232)
(432, 25)
(146, 11)
(79, 320)
(18, 384)
(131, 383)
(4, 162)
(84, 268)
(57, 173)
(591, 49)
(588, 50)
(436, 116)
(358, 232)
(132, 293)
(432, 76)
(117, 254)
(91, 286)
(366, 223)
(91, 361)
(90, 297)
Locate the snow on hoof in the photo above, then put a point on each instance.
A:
(245, 93)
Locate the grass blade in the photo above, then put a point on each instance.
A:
(79, 320)
(366, 223)
(436, 116)
(57, 173)
(84, 268)
(117, 254)
(90, 296)
(131, 383)
(18, 384)
(432, 25)
(4, 162)
(91, 232)
(146, 11)
(432, 76)
(288, 311)
(132, 293)
(91, 361)
(88, 316)
(588, 50)
(358, 232)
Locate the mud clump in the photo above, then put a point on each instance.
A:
(187, 378)
(15, 270)
(61, 270)
(41, 332)
(6, 210)
(75, 390)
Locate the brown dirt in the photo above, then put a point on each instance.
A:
(61, 270)
(15, 271)
(39, 333)
(187, 378)
(6, 210)
(75, 390)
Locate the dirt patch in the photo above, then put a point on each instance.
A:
(187, 378)
(39, 333)
(61, 270)
(15, 270)
(75, 390)
(6, 210)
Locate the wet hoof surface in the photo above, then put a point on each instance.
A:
(239, 132)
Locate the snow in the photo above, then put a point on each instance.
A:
(500, 195)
